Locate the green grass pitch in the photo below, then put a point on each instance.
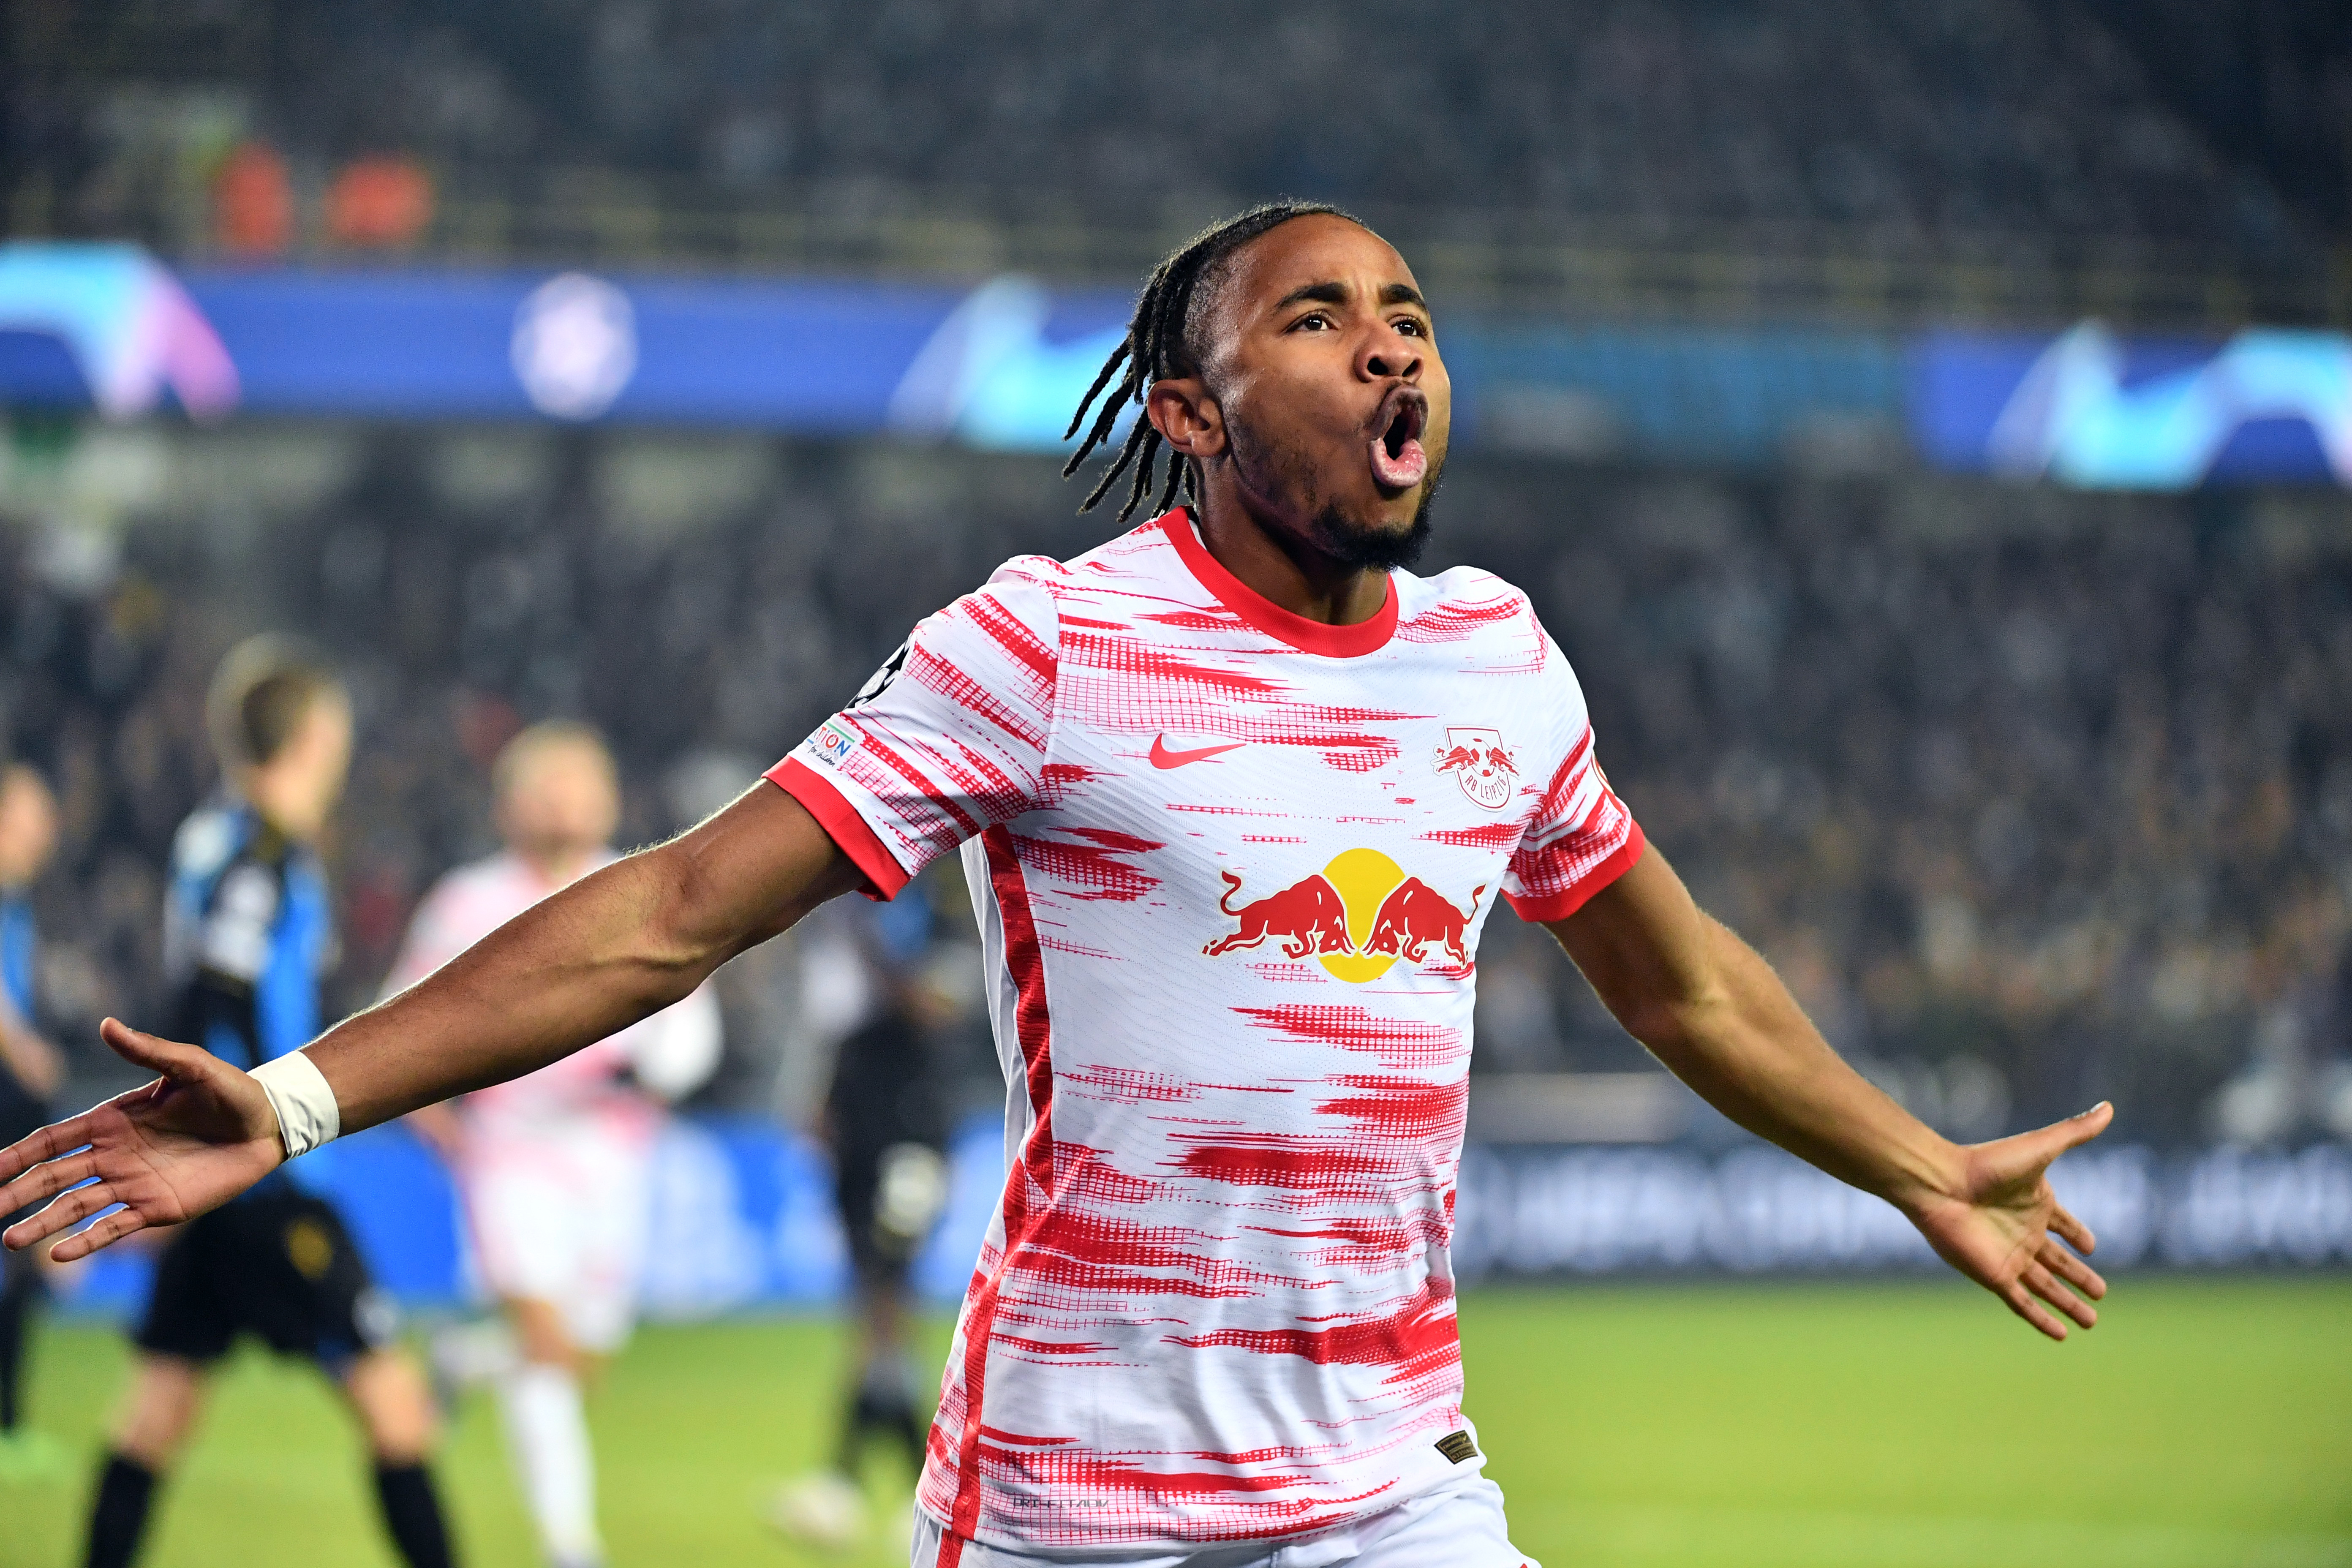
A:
(1897, 1425)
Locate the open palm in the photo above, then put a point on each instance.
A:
(199, 1134)
(2003, 1226)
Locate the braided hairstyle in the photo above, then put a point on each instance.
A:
(1158, 345)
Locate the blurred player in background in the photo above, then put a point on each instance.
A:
(554, 1167)
(30, 1073)
(247, 933)
(886, 1121)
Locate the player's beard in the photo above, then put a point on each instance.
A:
(1352, 544)
(1272, 470)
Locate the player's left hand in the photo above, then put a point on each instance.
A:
(2000, 1224)
(175, 1148)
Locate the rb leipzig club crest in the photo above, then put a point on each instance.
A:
(1481, 764)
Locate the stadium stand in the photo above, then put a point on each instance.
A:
(1992, 129)
(2032, 790)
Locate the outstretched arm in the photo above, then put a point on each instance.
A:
(1715, 1014)
(585, 963)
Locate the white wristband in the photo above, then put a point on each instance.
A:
(308, 1115)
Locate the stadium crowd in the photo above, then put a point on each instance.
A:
(2033, 797)
(1916, 123)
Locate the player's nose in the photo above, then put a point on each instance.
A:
(1388, 354)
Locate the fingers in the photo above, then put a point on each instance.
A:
(104, 1234)
(73, 1208)
(27, 1154)
(155, 1053)
(46, 1182)
(2073, 1270)
(2023, 1303)
(2044, 1284)
(2030, 1151)
(2079, 1129)
(2073, 1231)
(66, 1210)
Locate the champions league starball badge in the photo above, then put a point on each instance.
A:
(1480, 763)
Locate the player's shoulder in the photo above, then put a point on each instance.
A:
(1029, 573)
(1463, 604)
(1144, 550)
(1022, 603)
(1106, 582)
(209, 841)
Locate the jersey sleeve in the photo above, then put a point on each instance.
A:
(948, 738)
(1583, 839)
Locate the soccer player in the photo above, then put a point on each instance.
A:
(1235, 792)
(30, 1072)
(552, 1167)
(247, 933)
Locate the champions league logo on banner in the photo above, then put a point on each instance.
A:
(575, 345)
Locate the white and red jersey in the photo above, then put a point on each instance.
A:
(583, 1095)
(1230, 867)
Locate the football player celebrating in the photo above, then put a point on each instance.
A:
(1235, 792)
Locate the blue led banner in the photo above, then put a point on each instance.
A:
(2091, 409)
(105, 325)
(1000, 365)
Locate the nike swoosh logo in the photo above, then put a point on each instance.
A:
(1161, 757)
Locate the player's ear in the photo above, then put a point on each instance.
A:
(1186, 417)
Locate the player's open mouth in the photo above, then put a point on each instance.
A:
(1397, 460)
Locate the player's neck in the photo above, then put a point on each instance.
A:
(276, 826)
(1285, 570)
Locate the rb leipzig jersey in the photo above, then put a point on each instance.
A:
(1230, 867)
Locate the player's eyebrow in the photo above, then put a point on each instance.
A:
(1332, 293)
(1328, 292)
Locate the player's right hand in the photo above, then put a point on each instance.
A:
(167, 1151)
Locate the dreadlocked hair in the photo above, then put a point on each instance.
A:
(1156, 346)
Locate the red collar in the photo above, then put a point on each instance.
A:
(1368, 636)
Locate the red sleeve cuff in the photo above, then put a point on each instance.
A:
(842, 823)
(1560, 905)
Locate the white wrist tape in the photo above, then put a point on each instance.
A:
(308, 1115)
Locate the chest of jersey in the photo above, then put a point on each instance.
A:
(1303, 819)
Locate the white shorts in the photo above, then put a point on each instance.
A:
(562, 1220)
(1458, 1525)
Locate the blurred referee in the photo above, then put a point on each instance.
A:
(885, 1120)
(247, 933)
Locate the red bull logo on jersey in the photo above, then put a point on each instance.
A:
(1358, 917)
(1480, 763)
(1306, 917)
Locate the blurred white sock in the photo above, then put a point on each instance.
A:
(548, 1432)
(470, 1354)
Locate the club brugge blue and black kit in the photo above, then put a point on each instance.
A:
(21, 1110)
(247, 933)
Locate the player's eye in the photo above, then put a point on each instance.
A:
(1412, 326)
(1315, 321)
